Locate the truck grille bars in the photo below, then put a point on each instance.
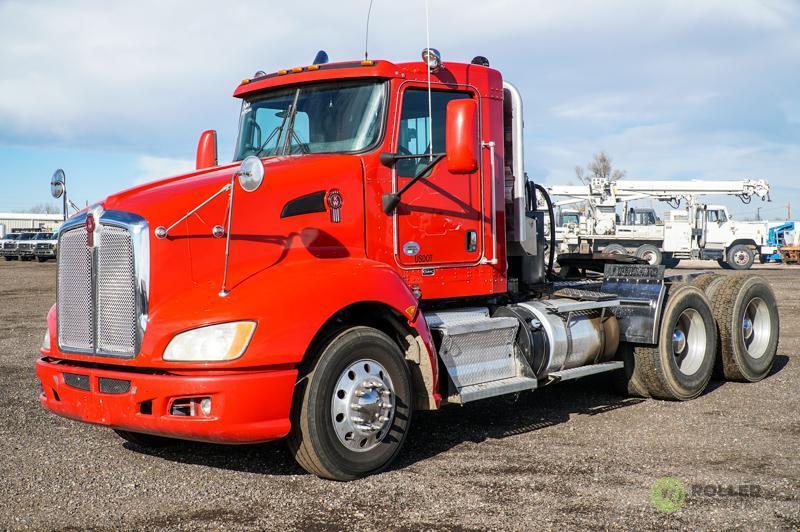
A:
(103, 276)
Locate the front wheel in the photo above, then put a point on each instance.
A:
(352, 412)
(740, 257)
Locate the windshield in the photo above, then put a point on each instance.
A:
(45, 236)
(569, 218)
(334, 117)
(13, 236)
(27, 236)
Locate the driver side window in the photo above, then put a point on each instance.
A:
(415, 127)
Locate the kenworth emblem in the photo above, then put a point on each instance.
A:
(335, 204)
(90, 227)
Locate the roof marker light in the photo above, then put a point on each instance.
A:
(432, 58)
(297, 69)
(367, 62)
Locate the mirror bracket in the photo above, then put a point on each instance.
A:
(391, 201)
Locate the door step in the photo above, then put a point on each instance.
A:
(584, 371)
(475, 392)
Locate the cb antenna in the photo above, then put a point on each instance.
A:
(366, 36)
(430, 102)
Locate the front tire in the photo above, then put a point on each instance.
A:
(353, 410)
(740, 257)
(749, 327)
(679, 367)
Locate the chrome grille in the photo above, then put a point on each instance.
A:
(75, 298)
(102, 290)
(116, 292)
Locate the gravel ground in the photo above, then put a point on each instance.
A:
(573, 455)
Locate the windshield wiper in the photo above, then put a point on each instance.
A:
(290, 134)
(288, 114)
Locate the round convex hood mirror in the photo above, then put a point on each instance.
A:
(58, 183)
(251, 173)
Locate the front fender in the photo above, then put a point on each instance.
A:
(290, 303)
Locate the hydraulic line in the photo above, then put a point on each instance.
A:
(532, 206)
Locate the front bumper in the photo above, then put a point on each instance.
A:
(48, 253)
(247, 406)
(8, 253)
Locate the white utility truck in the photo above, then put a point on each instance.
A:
(698, 231)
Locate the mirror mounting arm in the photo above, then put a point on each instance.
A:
(391, 201)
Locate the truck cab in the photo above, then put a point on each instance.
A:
(738, 243)
(641, 216)
(374, 249)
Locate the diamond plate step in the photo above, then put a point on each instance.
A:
(584, 371)
(478, 351)
(476, 392)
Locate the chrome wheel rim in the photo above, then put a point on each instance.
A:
(363, 405)
(741, 257)
(689, 341)
(650, 257)
(756, 327)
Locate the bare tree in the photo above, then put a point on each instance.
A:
(44, 208)
(580, 174)
(600, 167)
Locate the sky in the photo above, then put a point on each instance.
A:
(117, 93)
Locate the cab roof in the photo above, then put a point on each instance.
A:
(486, 79)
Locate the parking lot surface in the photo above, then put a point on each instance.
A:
(567, 456)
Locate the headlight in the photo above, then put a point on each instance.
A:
(213, 343)
(46, 340)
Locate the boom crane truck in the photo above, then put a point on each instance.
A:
(360, 260)
(699, 231)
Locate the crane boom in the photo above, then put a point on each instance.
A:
(606, 192)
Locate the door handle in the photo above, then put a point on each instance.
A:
(472, 240)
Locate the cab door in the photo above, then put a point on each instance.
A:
(439, 220)
(717, 229)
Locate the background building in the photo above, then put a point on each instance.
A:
(15, 221)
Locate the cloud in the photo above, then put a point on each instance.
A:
(150, 168)
(664, 86)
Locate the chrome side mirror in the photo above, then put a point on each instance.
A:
(251, 173)
(58, 184)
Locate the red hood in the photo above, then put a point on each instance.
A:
(186, 268)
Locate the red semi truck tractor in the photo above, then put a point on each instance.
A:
(374, 249)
